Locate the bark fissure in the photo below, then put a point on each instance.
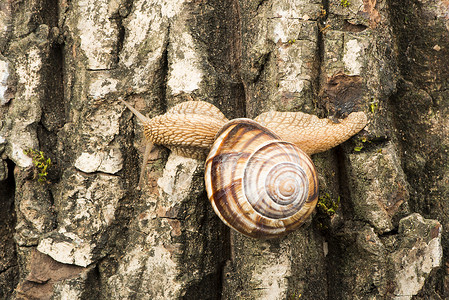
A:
(8, 268)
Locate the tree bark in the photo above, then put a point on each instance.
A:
(85, 231)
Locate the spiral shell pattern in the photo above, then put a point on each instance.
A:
(258, 184)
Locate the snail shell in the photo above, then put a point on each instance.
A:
(258, 184)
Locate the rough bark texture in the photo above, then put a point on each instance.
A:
(89, 233)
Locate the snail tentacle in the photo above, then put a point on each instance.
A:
(149, 147)
(140, 116)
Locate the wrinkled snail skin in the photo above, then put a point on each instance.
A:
(257, 184)
(188, 129)
(259, 177)
(311, 134)
(189, 135)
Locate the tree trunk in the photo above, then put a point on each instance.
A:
(85, 231)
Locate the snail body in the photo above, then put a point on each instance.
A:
(259, 177)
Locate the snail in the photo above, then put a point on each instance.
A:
(259, 176)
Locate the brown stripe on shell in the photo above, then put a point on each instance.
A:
(240, 136)
(313, 188)
(223, 169)
(226, 189)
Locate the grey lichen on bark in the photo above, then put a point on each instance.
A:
(91, 234)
